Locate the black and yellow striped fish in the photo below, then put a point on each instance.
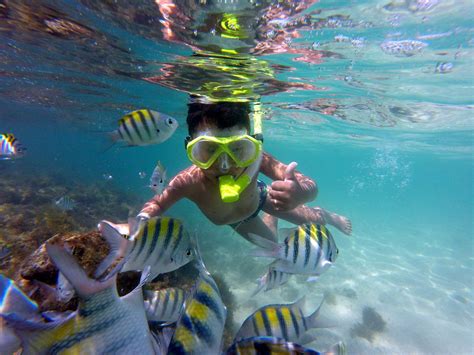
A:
(281, 321)
(10, 147)
(164, 305)
(307, 249)
(160, 242)
(144, 127)
(277, 346)
(271, 279)
(200, 328)
(104, 323)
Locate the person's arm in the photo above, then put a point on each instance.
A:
(290, 188)
(176, 190)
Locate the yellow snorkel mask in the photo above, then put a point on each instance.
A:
(244, 150)
(203, 151)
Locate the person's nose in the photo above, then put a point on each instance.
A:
(224, 163)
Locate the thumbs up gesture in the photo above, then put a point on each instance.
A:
(287, 194)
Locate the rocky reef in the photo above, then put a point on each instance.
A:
(29, 215)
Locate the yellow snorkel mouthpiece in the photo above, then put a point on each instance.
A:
(231, 188)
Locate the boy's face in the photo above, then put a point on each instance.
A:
(224, 165)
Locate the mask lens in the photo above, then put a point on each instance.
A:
(243, 150)
(203, 151)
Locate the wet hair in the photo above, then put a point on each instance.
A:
(220, 115)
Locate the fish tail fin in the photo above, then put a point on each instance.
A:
(300, 302)
(75, 274)
(264, 253)
(337, 349)
(14, 303)
(315, 320)
(270, 248)
(260, 285)
(113, 139)
(313, 317)
(14, 300)
(119, 247)
(136, 295)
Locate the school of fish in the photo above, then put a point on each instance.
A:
(166, 321)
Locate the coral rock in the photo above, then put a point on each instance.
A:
(88, 248)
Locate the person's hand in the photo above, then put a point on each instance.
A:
(287, 194)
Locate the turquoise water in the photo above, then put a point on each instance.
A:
(393, 152)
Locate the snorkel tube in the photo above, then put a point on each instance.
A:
(230, 188)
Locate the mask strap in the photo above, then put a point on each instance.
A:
(186, 141)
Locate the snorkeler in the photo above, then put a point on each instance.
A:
(223, 180)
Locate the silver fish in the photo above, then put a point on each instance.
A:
(284, 321)
(307, 249)
(411, 5)
(158, 178)
(65, 203)
(161, 242)
(164, 305)
(103, 323)
(10, 147)
(200, 328)
(144, 127)
(444, 67)
(405, 48)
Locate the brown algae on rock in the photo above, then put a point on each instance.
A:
(28, 215)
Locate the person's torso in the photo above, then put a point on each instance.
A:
(209, 201)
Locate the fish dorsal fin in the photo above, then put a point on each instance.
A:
(75, 274)
(314, 320)
(119, 247)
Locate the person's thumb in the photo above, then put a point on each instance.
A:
(290, 171)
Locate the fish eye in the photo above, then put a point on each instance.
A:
(170, 121)
(158, 130)
(172, 259)
(188, 253)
